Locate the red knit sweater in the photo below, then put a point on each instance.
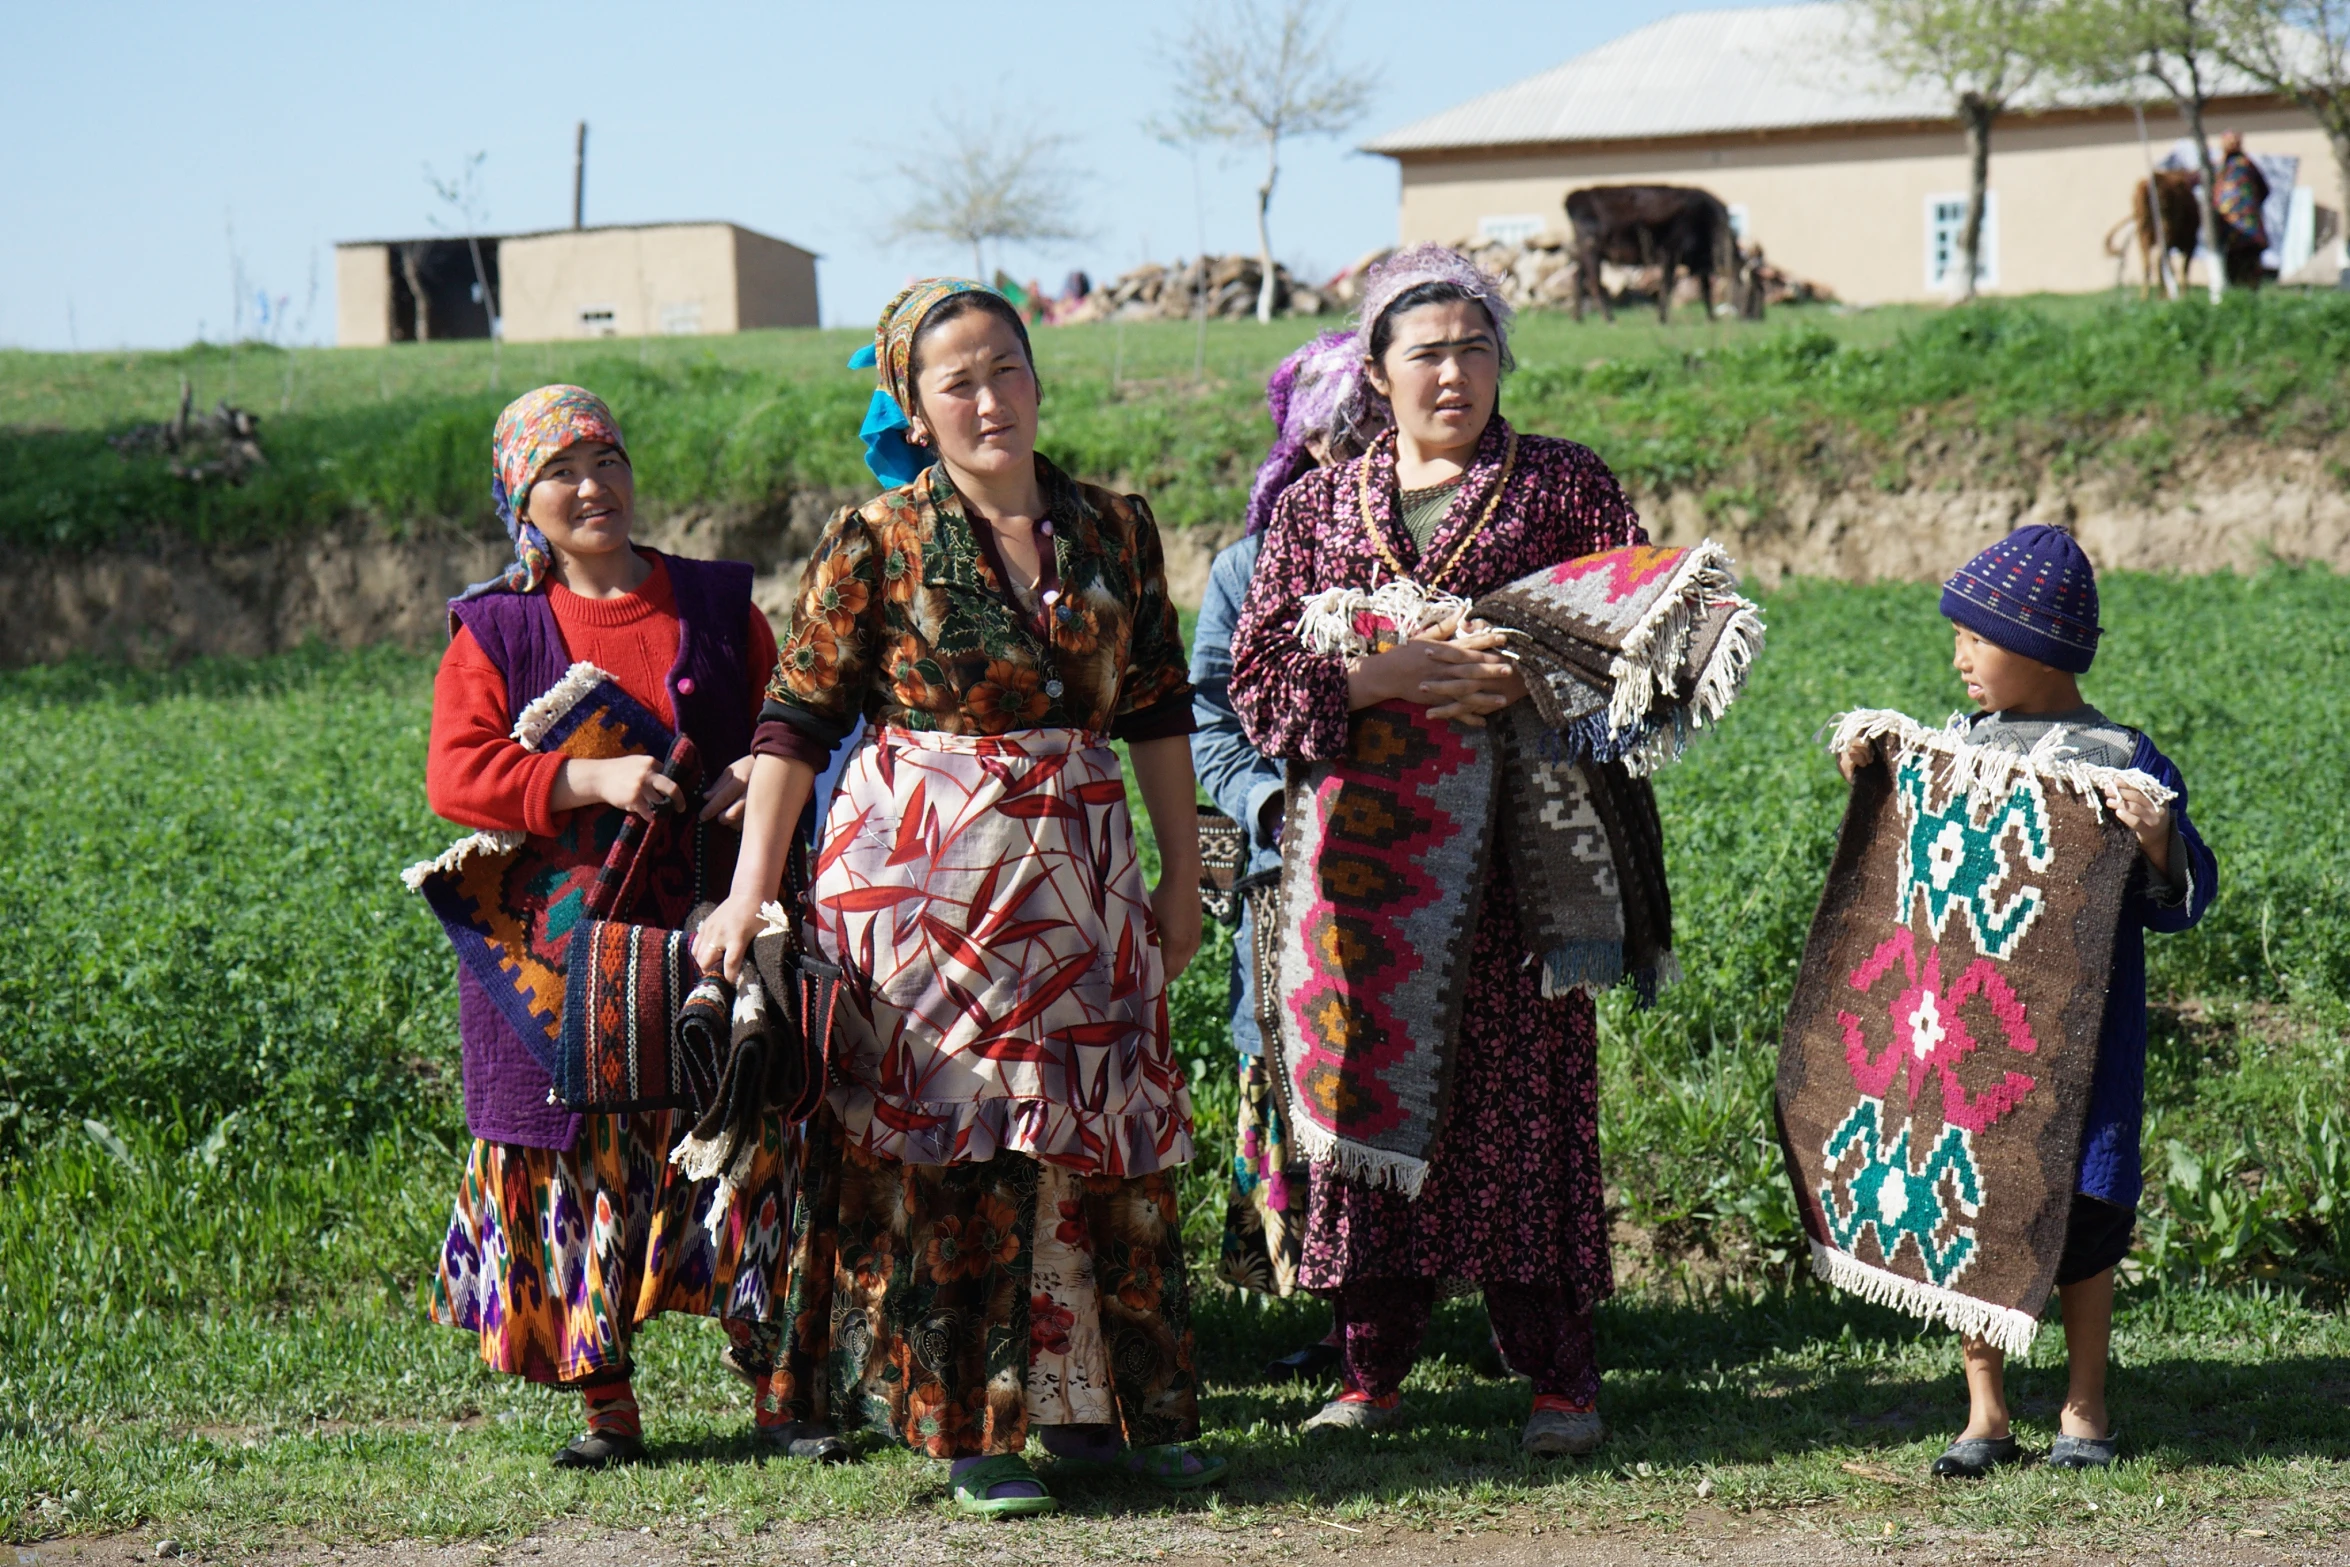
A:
(477, 775)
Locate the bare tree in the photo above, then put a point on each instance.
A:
(2176, 45)
(1257, 72)
(981, 182)
(463, 209)
(1984, 54)
(2300, 48)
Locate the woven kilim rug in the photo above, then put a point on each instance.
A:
(1934, 1076)
(510, 902)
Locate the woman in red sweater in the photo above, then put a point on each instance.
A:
(570, 1230)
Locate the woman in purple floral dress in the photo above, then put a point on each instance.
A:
(1455, 500)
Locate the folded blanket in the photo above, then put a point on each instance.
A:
(764, 1045)
(511, 903)
(1627, 651)
(1387, 849)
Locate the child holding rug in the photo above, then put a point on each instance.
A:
(2026, 617)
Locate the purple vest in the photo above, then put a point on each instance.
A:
(509, 1095)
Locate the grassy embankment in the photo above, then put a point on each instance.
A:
(1730, 411)
(230, 1136)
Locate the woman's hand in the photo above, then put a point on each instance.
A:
(2151, 822)
(1453, 671)
(725, 799)
(630, 783)
(1176, 908)
(723, 943)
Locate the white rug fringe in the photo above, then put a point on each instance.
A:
(456, 854)
(2000, 1326)
(533, 722)
(1371, 1166)
(1985, 773)
(1326, 621)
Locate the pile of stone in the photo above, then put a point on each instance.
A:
(1539, 273)
(219, 447)
(1152, 292)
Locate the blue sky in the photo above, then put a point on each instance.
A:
(145, 145)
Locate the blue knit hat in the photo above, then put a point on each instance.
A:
(2033, 593)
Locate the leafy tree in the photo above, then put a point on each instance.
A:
(1984, 54)
(1259, 72)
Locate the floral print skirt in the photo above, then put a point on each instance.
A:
(555, 1256)
(950, 1306)
(1264, 1207)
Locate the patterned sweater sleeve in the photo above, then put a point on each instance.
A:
(1154, 697)
(826, 663)
(1291, 703)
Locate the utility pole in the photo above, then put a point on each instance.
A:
(579, 177)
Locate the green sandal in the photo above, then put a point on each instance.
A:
(1163, 1467)
(973, 1484)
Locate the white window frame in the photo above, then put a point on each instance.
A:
(1941, 274)
(599, 320)
(1510, 228)
(1740, 220)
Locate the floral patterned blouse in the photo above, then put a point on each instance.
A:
(904, 617)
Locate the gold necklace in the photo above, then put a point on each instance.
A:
(1509, 462)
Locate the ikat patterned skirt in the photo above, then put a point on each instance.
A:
(556, 1256)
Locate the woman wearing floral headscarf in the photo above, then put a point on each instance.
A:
(1450, 500)
(571, 1230)
(987, 1234)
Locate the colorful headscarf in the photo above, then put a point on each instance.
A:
(534, 427)
(1317, 391)
(1406, 270)
(892, 458)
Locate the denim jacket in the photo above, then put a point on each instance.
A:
(1244, 785)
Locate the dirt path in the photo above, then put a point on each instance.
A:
(1821, 1537)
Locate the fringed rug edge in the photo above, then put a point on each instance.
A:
(1985, 772)
(2001, 1326)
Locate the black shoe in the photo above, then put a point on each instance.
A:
(2083, 1452)
(601, 1450)
(1972, 1457)
(810, 1443)
(1309, 1364)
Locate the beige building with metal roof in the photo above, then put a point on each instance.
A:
(1841, 174)
(619, 280)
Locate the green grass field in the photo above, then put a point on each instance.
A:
(397, 437)
(229, 1136)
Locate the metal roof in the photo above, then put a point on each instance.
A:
(1768, 68)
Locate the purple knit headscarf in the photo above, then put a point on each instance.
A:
(1406, 270)
(1317, 391)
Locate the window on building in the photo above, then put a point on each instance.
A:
(598, 321)
(1510, 228)
(1946, 237)
(1738, 220)
(681, 320)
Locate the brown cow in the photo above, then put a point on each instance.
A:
(1675, 226)
(2181, 231)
